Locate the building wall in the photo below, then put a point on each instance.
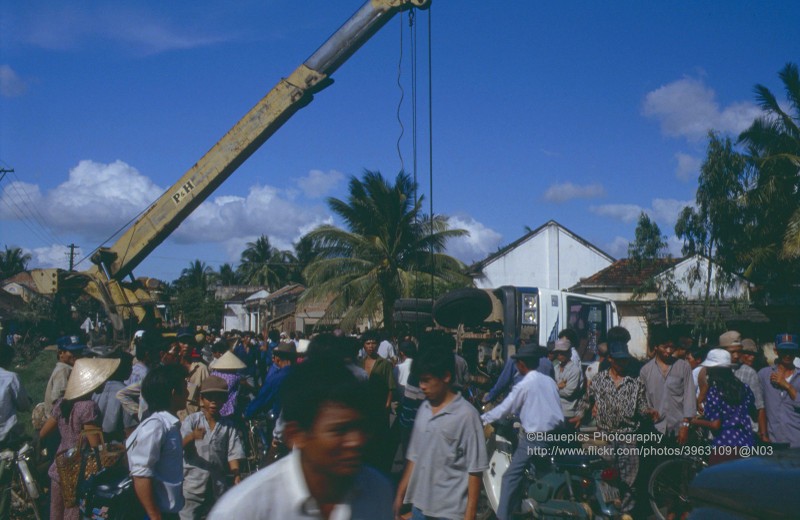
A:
(552, 258)
(685, 271)
(235, 317)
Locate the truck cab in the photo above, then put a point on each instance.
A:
(499, 318)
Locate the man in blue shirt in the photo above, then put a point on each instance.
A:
(268, 396)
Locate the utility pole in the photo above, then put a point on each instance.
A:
(4, 171)
(72, 256)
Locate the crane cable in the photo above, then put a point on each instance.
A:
(430, 139)
(402, 96)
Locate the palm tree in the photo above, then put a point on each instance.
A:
(387, 251)
(12, 261)
(227, 275)
(262, 264)
(305, 252)
(197, 275)
(773, 144)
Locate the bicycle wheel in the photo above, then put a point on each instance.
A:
(668, 488)
(23, 506)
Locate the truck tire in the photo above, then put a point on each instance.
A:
(468, 306)
(414, 304)
(419, 318)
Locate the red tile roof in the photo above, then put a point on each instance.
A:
(628, 273)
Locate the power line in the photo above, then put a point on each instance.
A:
(27, 210)
(34, 209)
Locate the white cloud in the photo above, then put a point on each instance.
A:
(18, 199)
(480, 242)
(663, 211)
(623, 212)
(618, 248)
(64, 27)
(318, 183)
(674, 245)
(99, 198)
(667, 211)
(568, 191)
(688, 108)
(11, 85)
(688, 166)
(55, 255)
(265, 211)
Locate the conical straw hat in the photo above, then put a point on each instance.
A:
(229, 361)
(88, 374)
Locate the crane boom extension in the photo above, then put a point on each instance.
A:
(286, 98)
(104, 281)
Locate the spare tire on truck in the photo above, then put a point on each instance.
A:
(468, 306)
(414, 304)
(415, 317)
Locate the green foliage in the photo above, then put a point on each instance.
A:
(12, 261)
(34, 374)
(197, 306)
(648, 243)
(196, 276)
(715, 227)
(388, 251)
(262, 264)
(772, 252)
(227, 275)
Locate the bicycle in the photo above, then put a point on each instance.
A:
(21, 492)
(668, 487)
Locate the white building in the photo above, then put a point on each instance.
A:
(550, 256)
(668, 292)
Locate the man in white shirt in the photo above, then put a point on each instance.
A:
(155, 449)
(325, 412)
(535, 399)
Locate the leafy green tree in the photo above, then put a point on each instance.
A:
(12, 261)
(197, 275)
(196, 306)
(227, 275)
(715, 227)
(648, 243)
(387, 249)
(305, 252)
(773, 203)
(263, 264)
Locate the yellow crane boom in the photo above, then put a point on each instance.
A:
(104, 281)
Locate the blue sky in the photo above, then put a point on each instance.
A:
(582, 112)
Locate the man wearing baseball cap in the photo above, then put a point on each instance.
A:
(69, 349)
(781, 386)
(212, 448)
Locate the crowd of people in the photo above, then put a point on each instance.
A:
(351, 411)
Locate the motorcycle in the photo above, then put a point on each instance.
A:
(556, 486)
(21, 493)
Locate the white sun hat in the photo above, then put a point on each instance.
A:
(88, 374)
(717, 357)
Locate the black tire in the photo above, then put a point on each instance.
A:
(414, 304)
(418, 318)
(468, 306)
(668, 488)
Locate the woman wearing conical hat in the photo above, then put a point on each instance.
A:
(71, 415)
